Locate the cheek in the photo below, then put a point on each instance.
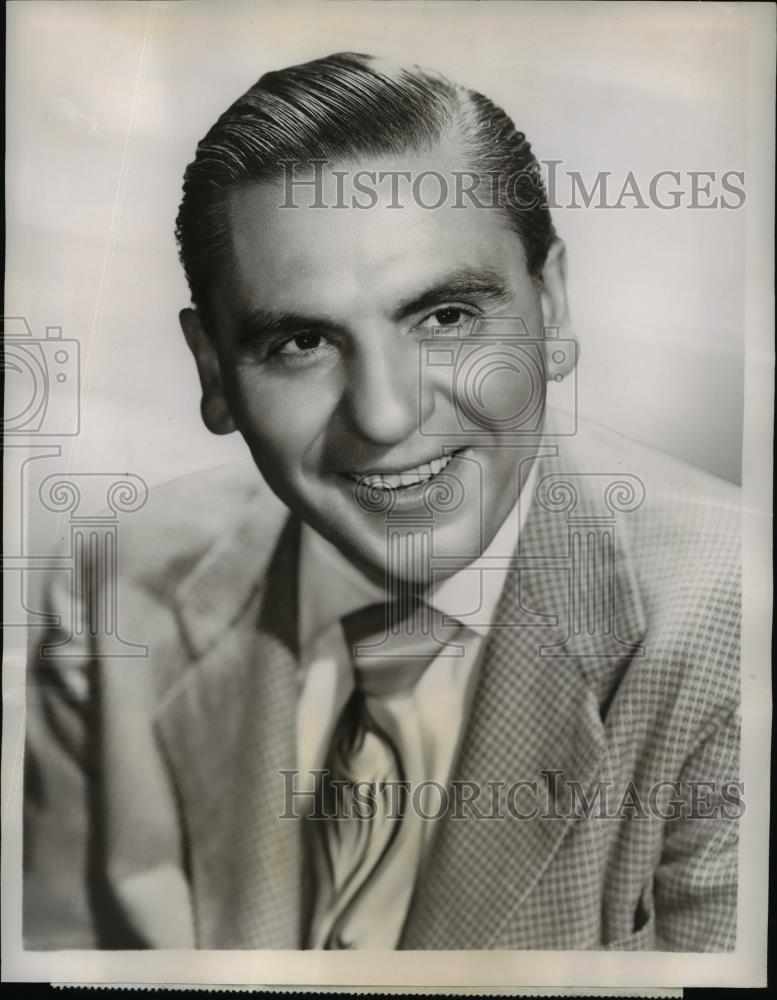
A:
(501, 385)
(282, 421)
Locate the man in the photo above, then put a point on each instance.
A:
(458, 596)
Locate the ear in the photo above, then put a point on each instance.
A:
(214, 408)
(560, 354)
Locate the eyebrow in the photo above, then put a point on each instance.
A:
(465, 283)
(264, 323)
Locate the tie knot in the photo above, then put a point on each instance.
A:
(391, 644)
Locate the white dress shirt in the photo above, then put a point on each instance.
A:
(330, 587)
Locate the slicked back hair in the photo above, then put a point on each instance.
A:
(338, 108)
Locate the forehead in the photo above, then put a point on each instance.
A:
(342, 258)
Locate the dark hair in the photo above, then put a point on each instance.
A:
(336, 108)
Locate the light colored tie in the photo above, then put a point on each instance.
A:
(391, 646)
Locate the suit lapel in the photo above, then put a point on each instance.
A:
(536, 718)
(228, 729)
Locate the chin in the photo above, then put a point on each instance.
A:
(408, 553)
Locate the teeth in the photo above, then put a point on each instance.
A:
(409, 477)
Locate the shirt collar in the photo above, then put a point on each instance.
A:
(471, 594)
(330, 586)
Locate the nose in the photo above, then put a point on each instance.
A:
(385, 399)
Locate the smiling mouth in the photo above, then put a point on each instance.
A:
(405, 478)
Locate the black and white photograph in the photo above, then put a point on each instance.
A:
(388, 450)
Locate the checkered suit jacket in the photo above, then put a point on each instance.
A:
(152, 788)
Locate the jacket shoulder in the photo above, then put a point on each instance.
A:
(682, 543)
(677, 504)
(183, 519)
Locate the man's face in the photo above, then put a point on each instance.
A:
(323, 328)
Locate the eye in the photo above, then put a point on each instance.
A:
(449, 316)
(302, 343)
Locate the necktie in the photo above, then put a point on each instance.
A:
(391, 645)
